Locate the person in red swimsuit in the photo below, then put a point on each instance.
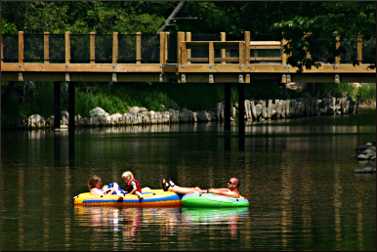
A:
(133, 185)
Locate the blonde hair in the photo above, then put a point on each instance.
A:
(127, 174)
(93, 181)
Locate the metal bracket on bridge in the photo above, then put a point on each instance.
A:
(114, 77)
(289, 78)
(337, 79)
(183, 78)
(20, 77)
(211, 79)
(240, 78)
(67, 77)
(247, 78)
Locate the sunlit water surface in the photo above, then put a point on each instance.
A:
(299, 180)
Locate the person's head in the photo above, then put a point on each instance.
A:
(127, 176)
(233, 183)
(95, 181)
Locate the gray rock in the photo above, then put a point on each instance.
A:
(98, 112)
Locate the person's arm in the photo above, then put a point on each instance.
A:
(224, 191)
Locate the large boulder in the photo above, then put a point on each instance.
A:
(98, 112)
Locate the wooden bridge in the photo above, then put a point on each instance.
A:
(179, 57)
(164, 58)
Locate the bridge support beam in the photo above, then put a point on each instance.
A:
(71, 106)
(241, 116)
(57, 114)
(227, 105)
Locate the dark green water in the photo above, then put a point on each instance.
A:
(299, 179)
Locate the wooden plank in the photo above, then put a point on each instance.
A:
(67, 47)
(46, 53)
(82, 67)
(223, 50)
(265, 43)
(265, 47)
(115, 47)
(241, 52)
(183, 51)
(274, 68)
(273, 59)
(92, 47)
(359, 48)
(211, 53)
(180, 38)
(138, 48)
(337, 46)
(188, 39)
(166, 46)
(247, 47)
(21, 44)
(162, 47)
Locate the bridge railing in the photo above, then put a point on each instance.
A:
(142, 48)
(242, 51)
(131, 48)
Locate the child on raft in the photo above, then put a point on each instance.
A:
(96, 187)
(133, 185)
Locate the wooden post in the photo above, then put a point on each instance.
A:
(115, 48)
(138, 48)
(241, 52)
(46, 53)
(188, 39)
(337, 46)
(359, 46)
(21, 44)
(92, 47)
(247, 47)
(67, 46)
(180, 38)
(57, 115)
(284, 55)
(223, 50)
(71, 106)
(162, 48)
(166, 46)
(183, 49)
(211, 53)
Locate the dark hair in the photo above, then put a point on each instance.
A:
(93, 181)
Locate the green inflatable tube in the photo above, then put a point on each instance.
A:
(210, 200)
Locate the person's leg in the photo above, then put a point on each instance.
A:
(184, 190)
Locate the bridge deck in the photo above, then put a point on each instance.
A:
(162, 58)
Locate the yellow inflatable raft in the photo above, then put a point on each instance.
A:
(152, 198)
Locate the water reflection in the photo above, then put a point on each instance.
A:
(128, 222)
(231, 217)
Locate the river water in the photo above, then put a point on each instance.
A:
(299, 180)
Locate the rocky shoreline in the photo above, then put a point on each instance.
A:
(255, 111)
(366, 156)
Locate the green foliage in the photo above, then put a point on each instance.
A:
(367, 92)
